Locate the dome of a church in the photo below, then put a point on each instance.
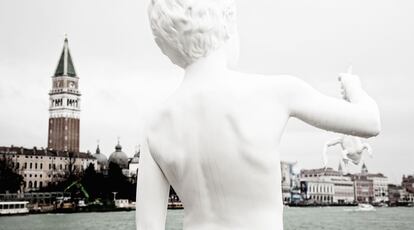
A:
(118, 157)
(100, 158)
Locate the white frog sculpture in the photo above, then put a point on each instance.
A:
(352, 149)
(352, 146)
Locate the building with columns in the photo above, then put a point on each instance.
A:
(327, 186)
(64, 105)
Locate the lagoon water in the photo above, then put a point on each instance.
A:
(332, 218)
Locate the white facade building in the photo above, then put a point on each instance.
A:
(40, 167)
(328, 186)
(380, 186)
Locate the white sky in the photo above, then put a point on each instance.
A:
(123, 74)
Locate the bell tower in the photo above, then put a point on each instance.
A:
(64, 105)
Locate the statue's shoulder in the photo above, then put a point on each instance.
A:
(279, 82)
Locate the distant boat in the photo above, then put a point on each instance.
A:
(13, 207)
(365, 207)
(361, 208)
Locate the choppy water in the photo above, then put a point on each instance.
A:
(295, 219)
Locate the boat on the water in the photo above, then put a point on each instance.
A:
(365, 207)
(13, 207)
(361, 208)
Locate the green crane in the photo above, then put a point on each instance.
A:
(78, 186)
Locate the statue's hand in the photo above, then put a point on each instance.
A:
(350, 85)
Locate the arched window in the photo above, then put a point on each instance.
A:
(30, 184)
(35, 184)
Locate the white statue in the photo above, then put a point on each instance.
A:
(352, 149)
(216, 139)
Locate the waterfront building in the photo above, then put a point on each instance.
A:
(380, 187)
(394, 194)
(41, 167)
(400, 196)
(287, 180)
(64, 105)
(408, 183)
(370, 187)
(319, 190)
(364, 188)
(328, 186)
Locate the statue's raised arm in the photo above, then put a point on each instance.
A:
(357, 115)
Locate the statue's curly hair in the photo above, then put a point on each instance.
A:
(191, 28)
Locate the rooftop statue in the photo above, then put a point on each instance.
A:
(216, 139)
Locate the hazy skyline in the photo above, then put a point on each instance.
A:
(123, 74)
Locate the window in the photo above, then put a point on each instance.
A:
(30, 184)
(40, 175)
(54, 166)
(35, 175)
(30, 175)
(41, 165)
(40, 184)
(35, 184)
(25, 165)
(60, 166)
(35, 165)
(30, 165)
(50, 166)
(18, 165)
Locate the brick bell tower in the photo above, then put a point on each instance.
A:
(64, 105)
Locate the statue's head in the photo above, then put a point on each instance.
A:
(186, 30)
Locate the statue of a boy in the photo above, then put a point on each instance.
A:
(216, 139)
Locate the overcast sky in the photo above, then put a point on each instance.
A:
(123, 74)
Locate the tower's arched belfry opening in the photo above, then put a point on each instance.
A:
(64, 105)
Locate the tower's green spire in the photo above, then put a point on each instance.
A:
(65, 66)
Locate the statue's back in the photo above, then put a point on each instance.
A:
(216, 142)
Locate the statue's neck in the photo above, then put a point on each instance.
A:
(208, 67)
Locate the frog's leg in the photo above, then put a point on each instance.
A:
(345, 158)
(368, 148)
(328, 144)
